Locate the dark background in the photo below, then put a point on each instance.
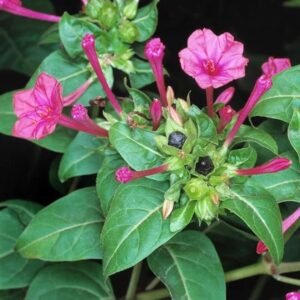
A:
(267, 28)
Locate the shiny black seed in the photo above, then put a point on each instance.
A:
(204, 165)
(176, 139)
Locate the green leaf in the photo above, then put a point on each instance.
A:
(257, 136)
(24, 209)
(242, 158)
(134, 226)
(82, 157)
(70, 281)
(66, 230)
(182, 216)
(137, 147)
(294, 131)
(15, 271)
(72, 30)
(20, 45)
(278, 102)
(106, 185)
(189, 266)
(146, 21)
(18, 294)
(142, 74)
(140, 99)
(284, 185)
(259, 210)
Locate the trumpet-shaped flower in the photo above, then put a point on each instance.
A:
(39, 109)
(212, 60)
(15, 7)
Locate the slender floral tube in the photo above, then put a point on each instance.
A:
(273, 166)
(286, 224)
(261, 86)
(124, 174)
(71, 98)
(210, 101)
(16, 8)
(154, 52)
(88, 45)
(156, 113)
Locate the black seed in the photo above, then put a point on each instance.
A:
(176, 139)
(204, 165)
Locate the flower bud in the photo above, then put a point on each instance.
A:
(130, 8)
(128, 32)
(93, 8)
(196, 189)
(167, 208)
(108, 15)
(206, 210)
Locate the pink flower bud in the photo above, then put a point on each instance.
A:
(124, 175)
(154, 52)
(292, 296)
(156, 113)
(226, 96)
(226, 114)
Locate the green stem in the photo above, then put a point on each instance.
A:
(288, 267)
(287, 280)
(152, 284)
(245, 272)
(134, 279)
(153, 295)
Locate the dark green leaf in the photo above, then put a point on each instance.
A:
(134, 226)
(71, 281)
(72, 30)
(18, 294)
(142, 74)
(67, 230)
(146, 21)
(189, 266)
(137, 147)
(182, 216)
(278, 102)
(259, 210)
(106, 185)
(15, 271)
(242, 158)
(255, 135)
(294, 131)
(20, 45)
(82, 157)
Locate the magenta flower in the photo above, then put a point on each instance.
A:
(15, 7)
(263, 84)
(226, 96)
(124, 174)
(226, 114)
(273, 166)
(154, 52)
(88, 45)
(286, 224)
(39, 109)
(292, 296)
(156, 113)
(212, 60)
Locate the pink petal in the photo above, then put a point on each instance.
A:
(275, 65)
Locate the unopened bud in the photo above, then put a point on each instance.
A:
(93, 8)
(128, 32)
(196, 189)
(170, 95)
(206, 210)
(167, 208)
(130, 8)
(175, 116)
(108, 15)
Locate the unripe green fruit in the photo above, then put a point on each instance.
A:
(108, 15)
(196, 189)
(206, 210)
(130, 8)
(128, 32)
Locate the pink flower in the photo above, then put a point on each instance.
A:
(212, 60)
(39, 109)
(226, 96)
(124, 174)
(155, 52)
(156, 113)
(273, 166)
(292, 296)
(226, 114)
(88, 45)
(15, 7)
(275, 65)
(286, 224)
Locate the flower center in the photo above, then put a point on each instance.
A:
(210, 66)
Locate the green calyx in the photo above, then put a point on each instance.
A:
(128, 32)
(130, 8)
(108, 15)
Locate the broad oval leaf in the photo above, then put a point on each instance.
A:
(134, 226)
(259, 210)
(137, 147)
(142, 74)
(15, 271)
(189, 266)
(70, 281)
(18, 294)
(294, 132)
(146, 21)
(82, 157)
(66, 230)
(277, 103)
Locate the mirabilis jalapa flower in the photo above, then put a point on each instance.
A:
(15, 7)
(39, 110)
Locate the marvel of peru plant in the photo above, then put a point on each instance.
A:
(176, 188)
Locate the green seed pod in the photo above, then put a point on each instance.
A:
(130, 8)
(128, 32)
(196, 189)
(108, 15)
(93, 8)
(206, 210)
